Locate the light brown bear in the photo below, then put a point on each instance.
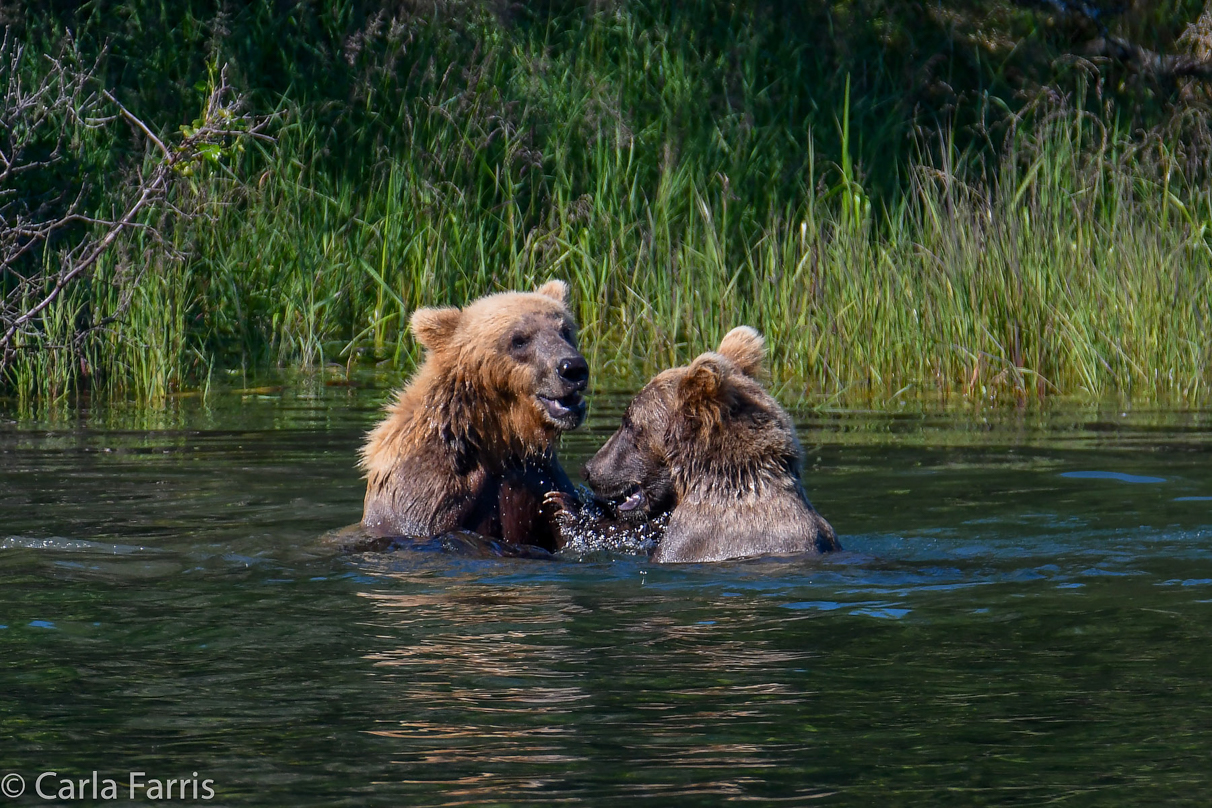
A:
(709, 449)
(468, 443)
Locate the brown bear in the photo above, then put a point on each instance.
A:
(468, 443)
(708, 449)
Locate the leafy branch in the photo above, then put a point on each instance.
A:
(34, 126)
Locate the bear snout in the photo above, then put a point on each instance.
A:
(603, 477)
(560, 399)
(575, 371)
(587, 472)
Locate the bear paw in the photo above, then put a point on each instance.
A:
(564, 508)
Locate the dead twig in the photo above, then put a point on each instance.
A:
(31, 118)
(1134, 57)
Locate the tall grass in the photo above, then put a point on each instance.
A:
(1076, 261)
(1075, 271)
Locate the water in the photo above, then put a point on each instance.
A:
(1023, 616)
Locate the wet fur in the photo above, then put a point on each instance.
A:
(465, 446)
(709, 443)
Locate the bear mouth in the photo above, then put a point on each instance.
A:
(565, 411)
(634, 500)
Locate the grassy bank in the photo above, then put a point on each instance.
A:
(682, 187)
(1076, 271)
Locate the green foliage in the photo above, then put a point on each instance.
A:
(797, 167)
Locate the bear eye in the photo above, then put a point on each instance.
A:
(566, 334)
(519, 341)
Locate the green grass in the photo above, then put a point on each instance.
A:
(1074, 260)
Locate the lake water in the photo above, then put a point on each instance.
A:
(1022, 616)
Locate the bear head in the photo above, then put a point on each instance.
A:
(505, 369)
(709, 426)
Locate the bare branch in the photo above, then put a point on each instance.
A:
(1160, 66)
(134, 121)
(1143, 60)
(37, 121)
(68, 274)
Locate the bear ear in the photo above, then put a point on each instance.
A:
(433, 328)
(745, 348)
(556, 290)
(703, 381)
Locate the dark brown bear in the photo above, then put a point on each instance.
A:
(710, 446)
(468, 444)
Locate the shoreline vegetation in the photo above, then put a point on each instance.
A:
(898, 219)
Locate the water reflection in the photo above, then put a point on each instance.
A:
(1112, 475)
(565, 680)
(1000, 631)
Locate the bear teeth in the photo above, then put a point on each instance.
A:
(634, 500)
(561, 407)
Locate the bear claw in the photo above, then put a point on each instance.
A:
(565, 507)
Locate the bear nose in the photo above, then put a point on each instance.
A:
(574, 371)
